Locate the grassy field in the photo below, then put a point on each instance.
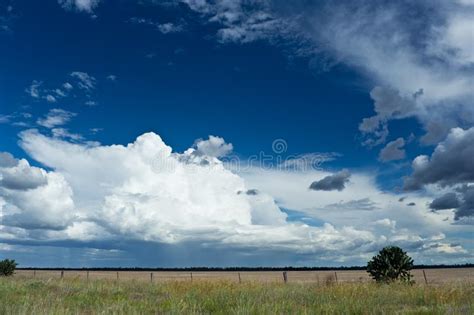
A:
(75, 296)
(433, 276)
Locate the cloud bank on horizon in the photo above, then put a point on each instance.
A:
(205, 204)
(145, 192)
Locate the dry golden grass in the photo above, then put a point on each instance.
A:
(19, 295)
(434, 276)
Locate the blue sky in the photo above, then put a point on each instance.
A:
(146, 133)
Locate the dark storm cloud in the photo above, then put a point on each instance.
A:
(28, 222)
(446, 201)
(462, 202)
(337, 181)
(451, 163)
(466, 209)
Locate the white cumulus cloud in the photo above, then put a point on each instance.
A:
(145, 192)
(214, 146)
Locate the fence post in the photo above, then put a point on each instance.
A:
(34, 274)
(151, 277)
(87, 275)
(117, 275)
(240, 280)
(62, 274)
(424, 276)
(285, 277)
(335, 275)
(191, 277)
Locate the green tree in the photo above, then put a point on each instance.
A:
(7, 267)
(391, 264)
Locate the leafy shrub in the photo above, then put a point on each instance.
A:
(7, 267)
(391, 264)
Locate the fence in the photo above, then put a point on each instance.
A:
(428, 276)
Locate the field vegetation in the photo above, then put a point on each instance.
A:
(76, 296)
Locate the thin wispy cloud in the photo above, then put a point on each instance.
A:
(55, 117)
(85, 81)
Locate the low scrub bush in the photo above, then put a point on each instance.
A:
(391, 264)
(7, 267)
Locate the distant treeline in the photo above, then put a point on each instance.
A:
(242, 268)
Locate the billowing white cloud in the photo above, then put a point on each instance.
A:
(7, 160)
(22, 177)
(145, 192)
(34, 198)
(214, 146)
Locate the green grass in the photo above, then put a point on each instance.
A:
(21, 296)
